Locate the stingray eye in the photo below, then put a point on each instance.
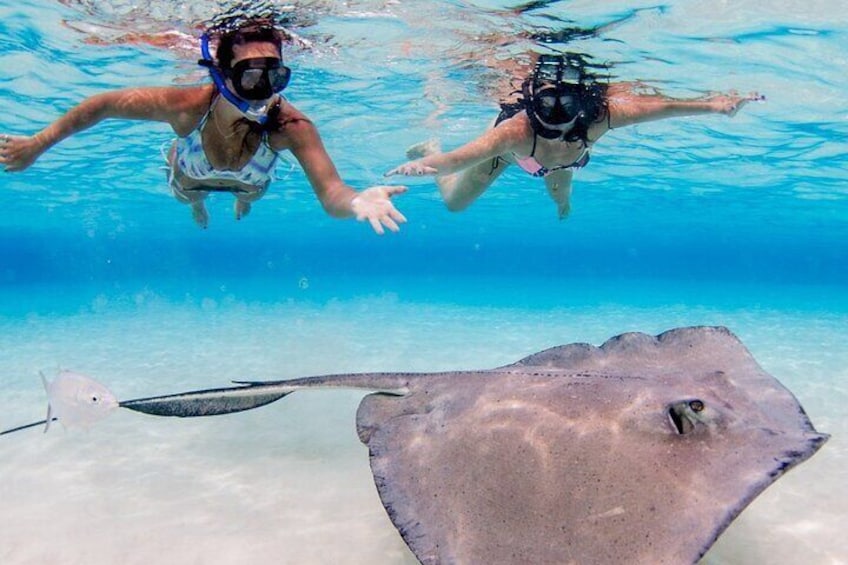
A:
(684, 417)
(696, 405)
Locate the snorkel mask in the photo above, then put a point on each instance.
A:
(553, 95)
(254, 80)
(555, 105)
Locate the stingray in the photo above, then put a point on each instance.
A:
(642, 450)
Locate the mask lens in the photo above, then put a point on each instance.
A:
(554, 106)
(250, 78)
(259, 78)
(279, 78)
(546, 103)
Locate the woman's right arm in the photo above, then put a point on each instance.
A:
(166, 104)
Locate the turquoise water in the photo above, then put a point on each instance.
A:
(740, 222)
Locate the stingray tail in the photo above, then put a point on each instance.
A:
(25, 427)
(253, 394)
(209, 402)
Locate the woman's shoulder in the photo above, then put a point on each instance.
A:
(188, 98)
(187, 105)
(290, 125)
(289, 113)
(512, 128)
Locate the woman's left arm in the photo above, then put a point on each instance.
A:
(493, 142)
(338, 199)
(628, 108)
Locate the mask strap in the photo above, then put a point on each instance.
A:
(214, 72)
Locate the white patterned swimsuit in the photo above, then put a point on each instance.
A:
(191, 161)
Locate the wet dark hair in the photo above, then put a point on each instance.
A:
(250, 32)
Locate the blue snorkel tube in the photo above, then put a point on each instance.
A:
(243, 105)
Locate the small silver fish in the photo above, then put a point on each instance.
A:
(77, 400)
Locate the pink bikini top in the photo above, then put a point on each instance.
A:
(530, 165)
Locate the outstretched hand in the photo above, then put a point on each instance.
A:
(374, 204)
(17, 152)
(412, 169)
(732, 102)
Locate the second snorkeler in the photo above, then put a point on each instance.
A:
(549, 132)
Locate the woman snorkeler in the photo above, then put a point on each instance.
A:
(229, 133)
(549, 132)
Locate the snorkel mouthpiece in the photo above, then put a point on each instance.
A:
(257, 111)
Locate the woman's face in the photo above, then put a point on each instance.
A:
(254, 49)
(257, 72)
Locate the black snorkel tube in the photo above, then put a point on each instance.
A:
(243, 105)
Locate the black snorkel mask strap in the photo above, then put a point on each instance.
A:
(218, 78)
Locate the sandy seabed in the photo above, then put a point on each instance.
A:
(290, 483)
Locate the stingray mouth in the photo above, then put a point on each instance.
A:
(684, 415)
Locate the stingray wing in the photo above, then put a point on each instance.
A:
(530, 466)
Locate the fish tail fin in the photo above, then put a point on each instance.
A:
(49, 408)
(49, 418)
